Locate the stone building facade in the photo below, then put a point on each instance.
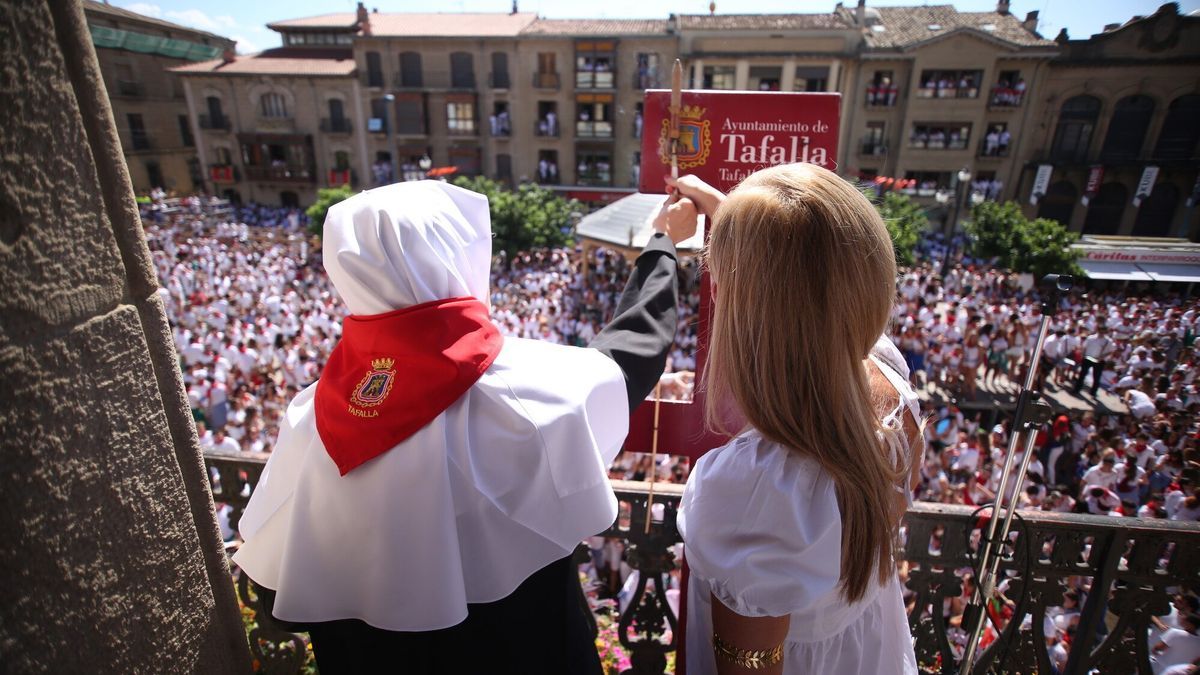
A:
(1118, 108)
(930, 94)
(136, 54)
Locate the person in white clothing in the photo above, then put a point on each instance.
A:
(790, 529)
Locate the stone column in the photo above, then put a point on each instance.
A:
(109, 547)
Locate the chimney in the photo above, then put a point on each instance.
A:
(860, 13)
(712, 8)
(1062, 38)
(1031, 21)
(514, 9)
(1002, 7)
(361, 14)
(229, 55)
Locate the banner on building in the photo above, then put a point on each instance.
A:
(1145, 185)
(1094, 179)
(726, 136)
(1041, 182)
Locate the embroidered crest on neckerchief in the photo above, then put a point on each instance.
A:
(375, 385)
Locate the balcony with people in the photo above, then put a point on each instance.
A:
(949, 84)
(952, 136)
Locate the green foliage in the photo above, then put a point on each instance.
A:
(1039, 247)
(526, 218)
(326, 197)
(905, 220)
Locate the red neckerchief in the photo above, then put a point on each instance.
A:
(393, 373)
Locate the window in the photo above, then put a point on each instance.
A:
(1179, 134)
(882, 90)
(635, 168)
(952, 136)
(996, 141)
(460, 115)
(214, 118)
(595, 167)
(646, 76)
(1076, 121)
(547, 121)
(154, 174)
(547, 167)
(811, 78)
(410, 114)
(462, 70)
(1059, 202)
(1127, 128)
(1009, 90)
(765, 78)
(546, 76)
(410, 70)
(874, 143)
(949, 84)
(593, 116)
(594, 64)
(341, 160)
(500, 122)
(137, 132)
(374, 70)
(1156, 213)
(719, 77)
(504, 170)
(185, 132)
(1105, 210)
(273, 105)
(467, 159)
(378, 123)
(637, 120)
(222, 156)
(500, 70)
(336, 122)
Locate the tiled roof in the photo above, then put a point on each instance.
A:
(421, 25)
(121, 14)
(597, 27)
(908, 26)
(826, 21)
(279, 62)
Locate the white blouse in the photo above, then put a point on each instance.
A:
(763, 533)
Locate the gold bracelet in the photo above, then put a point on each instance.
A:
(753, 659)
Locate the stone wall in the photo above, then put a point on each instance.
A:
(110, 557)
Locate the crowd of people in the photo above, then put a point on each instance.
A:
(255, 319)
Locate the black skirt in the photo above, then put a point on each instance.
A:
(543, 627)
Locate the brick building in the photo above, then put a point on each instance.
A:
(136, 54)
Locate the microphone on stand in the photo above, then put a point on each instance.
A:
(1032, 412)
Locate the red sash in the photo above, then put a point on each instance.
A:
(393, 373)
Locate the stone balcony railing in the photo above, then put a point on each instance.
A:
(1127, 563)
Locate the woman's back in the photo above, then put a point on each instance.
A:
(763, 535)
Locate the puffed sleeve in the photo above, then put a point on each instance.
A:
(761, 527)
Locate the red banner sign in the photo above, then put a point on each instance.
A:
(727, 135)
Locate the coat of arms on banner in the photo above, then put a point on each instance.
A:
(375, 385)
(695, 138)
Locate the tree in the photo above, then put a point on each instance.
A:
(905, 220)
(326, 197)
(526, 218)
(1039, 247)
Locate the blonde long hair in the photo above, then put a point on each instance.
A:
(805, 277)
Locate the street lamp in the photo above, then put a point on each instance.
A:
(964, 177)
(391, 98)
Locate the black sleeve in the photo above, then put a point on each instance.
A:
(643, 328)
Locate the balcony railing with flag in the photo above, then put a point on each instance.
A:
(1005, 97)
(1128, 564)
(280, 174)
(223, 173)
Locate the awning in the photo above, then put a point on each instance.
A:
(1105, 269)
(1168, 272)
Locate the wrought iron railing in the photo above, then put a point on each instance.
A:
(1127, 564)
